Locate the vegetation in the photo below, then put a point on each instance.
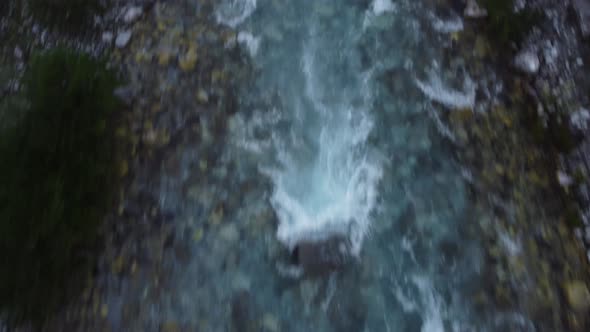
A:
(56, 175)
(505, 25)
(67, 15)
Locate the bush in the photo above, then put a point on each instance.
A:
(56, 175)
(67, 15)
(505, 25)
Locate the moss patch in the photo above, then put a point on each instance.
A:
(57, 174)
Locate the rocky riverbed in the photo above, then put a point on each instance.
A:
(174, 259)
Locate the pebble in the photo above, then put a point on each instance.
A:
(473, 10)
(580, 118)
(18, 53)
(564, 179)
(577, 295)
(229, 233)
(107, 37)
(202, 96)
(527, 62)
(132, 14)
(270, 322)
(123, 38)
(189, 60)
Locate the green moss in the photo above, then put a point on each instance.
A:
(57, 174)
(505, 25)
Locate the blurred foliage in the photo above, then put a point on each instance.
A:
(66, 15)
(57, 178)
(505, 25)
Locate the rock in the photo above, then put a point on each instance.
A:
(229, 233)
(123, 38)
(18, 53)
(164, 57)
(323, 257)
(579, 119)
(189, 60)
(527, 62)
(582, 10)
(577, 295)
(107, 37)
(564, 179)
(202, 97)
(473, 10)
(270, 323)
(132, 14)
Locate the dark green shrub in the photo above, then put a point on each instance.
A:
(67, 15)
(57, 178)
(505, 25)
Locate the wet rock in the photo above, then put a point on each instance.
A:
(320, 258)
(474, 10)
(132, 14)
(270, 323)
(579, 119)
(18, 53)
(107, 37)
(189, 60)
(241, 312)
(564, 179)
(527, 62)
(582, 10)
(229, 233)
(577, 295)
(123, 38)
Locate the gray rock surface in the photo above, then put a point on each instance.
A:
(582, 9)
(527, 62)
(123, 38)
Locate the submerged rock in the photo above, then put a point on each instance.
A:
(320, 258)
(132, 14)
(527, 62)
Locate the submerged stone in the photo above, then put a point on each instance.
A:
(123, 38)
(323, 257)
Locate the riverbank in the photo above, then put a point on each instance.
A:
(521, 145)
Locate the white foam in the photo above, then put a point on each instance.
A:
(251, 42)
(380, 7)
(449, 26)
(449, 97)
(432, 307)
(233, 12)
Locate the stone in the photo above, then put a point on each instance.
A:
(189, 60)
(132, 14)
(527, 62)
(123, 38)
(577, 295)
(229, 233)
(107, 37)
(579, 119)
(164, 58)
(564, 179)
(582, 10)
(270, 322)
(474, 10)
(322, 257)
(18, 53)
(202, 96)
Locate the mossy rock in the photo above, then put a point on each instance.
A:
(57, 174)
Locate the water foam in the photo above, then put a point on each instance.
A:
(333, 191)
(380, 7)
(436, 90)
(233, 12)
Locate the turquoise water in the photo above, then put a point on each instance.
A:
(336, 155)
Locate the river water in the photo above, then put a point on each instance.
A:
(335, 137)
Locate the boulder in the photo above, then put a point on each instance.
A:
(321, 257)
